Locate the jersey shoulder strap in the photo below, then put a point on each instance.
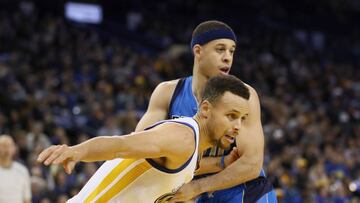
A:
(177, 90)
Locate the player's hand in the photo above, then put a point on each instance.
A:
(59, 154)
(231, 157)
(187, 192)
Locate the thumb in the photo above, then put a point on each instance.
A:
(69, 166)
(234, 153)
(234, 150)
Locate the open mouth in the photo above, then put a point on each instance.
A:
(230, 138)
(224, 70)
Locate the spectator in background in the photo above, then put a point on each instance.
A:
(36, 136)
(15, 180)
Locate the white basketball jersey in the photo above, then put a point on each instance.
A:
(141, 180)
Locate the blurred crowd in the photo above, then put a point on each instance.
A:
(63, 84)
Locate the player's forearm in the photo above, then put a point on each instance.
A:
(209, 165)
(240, 171)
(99, 148)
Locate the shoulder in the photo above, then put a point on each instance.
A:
(251, 89)
(164, 91)
(254, 97)
(254, 118)
(179, 129)
(20, 168)
(181, 133)
(188, 122)
(170, 84)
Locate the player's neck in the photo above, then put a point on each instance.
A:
(5, 163)
(198, 85)
(203, 134)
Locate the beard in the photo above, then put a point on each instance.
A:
(215, 140)
(223, 144)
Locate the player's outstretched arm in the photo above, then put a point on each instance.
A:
(161, 141)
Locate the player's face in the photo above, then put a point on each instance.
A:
(226, 119)
(216, 57)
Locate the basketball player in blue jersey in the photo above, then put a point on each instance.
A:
(159, 160)
(213, 44)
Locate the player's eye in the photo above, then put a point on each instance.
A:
(220, 50)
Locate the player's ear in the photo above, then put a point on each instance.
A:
(197, 50)
(205, 108)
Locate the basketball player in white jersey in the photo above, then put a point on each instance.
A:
(150, 165)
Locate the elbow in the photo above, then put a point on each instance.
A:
(254, 168)
(255, 172)
(257, 166)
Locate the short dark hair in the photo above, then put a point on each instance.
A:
(218, 85)
(209, 25)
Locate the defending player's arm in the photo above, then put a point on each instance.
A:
(214, 164)
(158, 105)
(250, 145)
(153, 143)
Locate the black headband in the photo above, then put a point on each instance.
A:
(221, 33)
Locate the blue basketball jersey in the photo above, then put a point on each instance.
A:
(183, 102)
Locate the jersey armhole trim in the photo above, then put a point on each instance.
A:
(172, 171)
(177, 90)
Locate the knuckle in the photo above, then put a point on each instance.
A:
(56, 153)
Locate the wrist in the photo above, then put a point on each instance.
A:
(222, 162)
(200, 186)
(78, 153)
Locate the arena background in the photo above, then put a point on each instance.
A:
(66, 78)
